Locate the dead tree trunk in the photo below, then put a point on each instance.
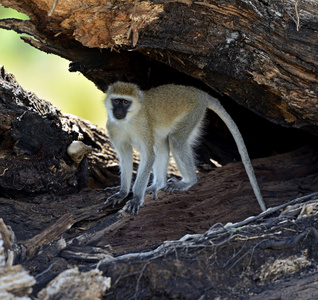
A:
(260, 53)
(35, 137)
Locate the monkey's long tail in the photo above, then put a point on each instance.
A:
(216, 106)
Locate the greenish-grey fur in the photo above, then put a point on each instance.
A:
(163, 119)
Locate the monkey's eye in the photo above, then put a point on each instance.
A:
(126, 102)
(116, 101)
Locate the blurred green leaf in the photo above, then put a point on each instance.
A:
(48, 76)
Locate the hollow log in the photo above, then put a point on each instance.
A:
(262, 54)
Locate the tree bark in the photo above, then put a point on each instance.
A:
(59, 224)
(35, 137)
(260, 53)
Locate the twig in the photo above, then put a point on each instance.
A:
(290, 243)
(132, 27)
(202, 240)
(50, 13)
(297, 20)
(138, 280)
(44, 272)
(297, 15)
(234, 256)
(270, 211)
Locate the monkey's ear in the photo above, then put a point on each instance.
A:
(141, 95)
(109, 89)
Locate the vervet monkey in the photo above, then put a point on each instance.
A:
(155, 122)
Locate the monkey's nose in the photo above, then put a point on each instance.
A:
(120, 114)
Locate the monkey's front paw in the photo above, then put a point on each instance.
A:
(116, 198)
(133, 206)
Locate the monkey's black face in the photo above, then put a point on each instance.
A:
(120, 107)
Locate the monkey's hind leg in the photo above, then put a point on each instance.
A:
(184, 157)
(160, 168)
(181, 143)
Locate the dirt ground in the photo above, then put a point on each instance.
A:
(221, 195)
(91, 229)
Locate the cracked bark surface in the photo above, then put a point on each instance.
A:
(260, 54)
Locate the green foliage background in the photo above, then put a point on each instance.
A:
(48, 76)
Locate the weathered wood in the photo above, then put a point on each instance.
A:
(87, 253)
(292, 289)
(260, 53)
(248, 50)
(197, 266)
(7, 238)
(73, 284)
(35, 139)
(15, 281)
(222, 195)
(48, 235)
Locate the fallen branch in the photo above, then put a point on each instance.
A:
(49, 235)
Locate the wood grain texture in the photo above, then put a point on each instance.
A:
(260, 53)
